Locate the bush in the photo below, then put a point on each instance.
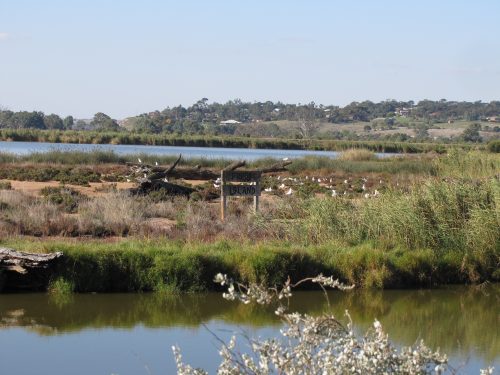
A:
(494, 146)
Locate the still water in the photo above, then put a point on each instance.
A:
(133, 333)
(24, 148)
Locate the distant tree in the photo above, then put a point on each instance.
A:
(27, 120)
(68, 122)
(146, 124)
(5, 118)
(53, 122)
(102, 122)
(422, 132)
(471, 134)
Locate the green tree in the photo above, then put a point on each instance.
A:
(471, 134)
(68, 122)
(102, 122)
(27, 120)
(53, 122)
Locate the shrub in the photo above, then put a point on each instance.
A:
(494, 146)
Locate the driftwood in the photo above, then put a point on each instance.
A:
(20, 270)
(154, 178)
(235, 165)
(206, 174)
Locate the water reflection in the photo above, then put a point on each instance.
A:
(462, 321)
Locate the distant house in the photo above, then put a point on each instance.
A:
(403, 111)
(230, 122)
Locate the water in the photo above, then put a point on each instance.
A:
(133, 333)
(24, 148)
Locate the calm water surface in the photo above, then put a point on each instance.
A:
(133, 333)
(24, 148)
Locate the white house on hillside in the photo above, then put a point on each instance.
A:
(230, 122)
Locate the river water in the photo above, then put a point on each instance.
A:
(24, 148)
(133, 333)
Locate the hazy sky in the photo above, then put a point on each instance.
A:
(129, 57)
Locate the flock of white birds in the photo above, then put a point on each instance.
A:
(290, 185)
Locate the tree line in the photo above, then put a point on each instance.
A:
(204, 118)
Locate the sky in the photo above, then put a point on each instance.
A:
(128, 57)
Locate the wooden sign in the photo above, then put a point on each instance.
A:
(241, 176)
(249, 188)
(241, 190)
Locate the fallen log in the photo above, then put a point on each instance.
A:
(20, 270)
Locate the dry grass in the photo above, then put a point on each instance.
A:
(357, 154)
(115, 213)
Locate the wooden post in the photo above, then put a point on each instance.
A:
(256, 197)
(223, 200)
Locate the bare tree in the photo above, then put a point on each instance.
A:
(308, 127)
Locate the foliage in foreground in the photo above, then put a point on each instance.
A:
(317, 345)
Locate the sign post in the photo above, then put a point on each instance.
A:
(249, 186)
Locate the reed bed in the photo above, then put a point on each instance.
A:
(92, 137)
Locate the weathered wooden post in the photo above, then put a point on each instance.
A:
(223, 199)
(249, 186)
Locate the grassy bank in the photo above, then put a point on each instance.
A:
(168, 266)
(88, 137)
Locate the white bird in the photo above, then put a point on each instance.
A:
(345, 181)
(376, 193)
(165, 180)
(381, 182)
(282, 186)
(313, 179)
(145, 175)
(286, 159)
(128, 179)
(279, 177)
(140, 161)
(367, 195)
(289, 192)
(334, 193)
(331, 180)
(364, 179)
(218, 180)
(307, 177)
(319, 180)
(268, 189)
(216, 186)
(156, 163)
(363, 187)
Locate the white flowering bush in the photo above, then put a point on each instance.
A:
(316, 345)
